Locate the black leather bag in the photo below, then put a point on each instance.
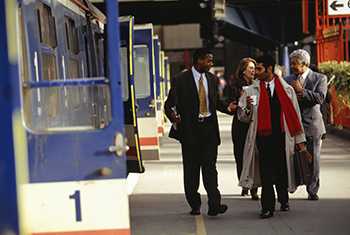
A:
(174, 133)
(303, 167)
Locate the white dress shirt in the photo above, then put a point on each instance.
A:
(303, 76)
(272, 86)
(197, 76)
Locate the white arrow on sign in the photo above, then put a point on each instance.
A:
(338, 7)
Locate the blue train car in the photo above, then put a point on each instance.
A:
(73, 114)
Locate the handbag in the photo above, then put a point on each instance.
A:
(303, 162)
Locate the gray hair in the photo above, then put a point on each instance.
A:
(301, 55)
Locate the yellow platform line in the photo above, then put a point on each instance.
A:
(200, 226)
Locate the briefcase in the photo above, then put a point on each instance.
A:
(174, 133)
(303, 162)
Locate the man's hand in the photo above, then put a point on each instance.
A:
(300, 95)
(297, 86)
(232, 107)
(300, 147)
(249, 102)
(175, 118)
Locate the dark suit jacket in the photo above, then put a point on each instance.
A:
(315, 90)
(184, 96)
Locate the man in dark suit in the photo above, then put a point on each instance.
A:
(311, 89)
(191, 105)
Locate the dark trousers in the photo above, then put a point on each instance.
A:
(201, 155)
(273, 170)
(239, 133)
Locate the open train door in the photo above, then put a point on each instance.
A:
(145, 86)
(162, 84)
(166, 82)
(134, 160)
(158, 71)
(74, 125)
(166, 76)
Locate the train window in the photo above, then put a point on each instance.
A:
(87, 56)
(71, 35)
(51, 109)
(142, 71)
(99, 45)
(47, 26)
(73, 69)
(49, 70)
(124, 72)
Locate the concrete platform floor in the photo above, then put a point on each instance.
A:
(158, 206)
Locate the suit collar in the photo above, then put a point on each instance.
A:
(256, 83)
(309, 79)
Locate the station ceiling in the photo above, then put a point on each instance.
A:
(263, 23)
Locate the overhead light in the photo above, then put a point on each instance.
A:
(203, 5)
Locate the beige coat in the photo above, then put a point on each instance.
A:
(250, 176)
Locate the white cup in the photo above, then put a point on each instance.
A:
(254, 102)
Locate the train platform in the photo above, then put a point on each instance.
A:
(158, 206)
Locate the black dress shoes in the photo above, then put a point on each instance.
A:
(266, 214)
(221, 210)
(195, 212)
(285, 207)
(244, 192)
(255, 196)
(313, 197)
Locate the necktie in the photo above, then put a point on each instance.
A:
(202, 97)
(268, 89)
(301, 80)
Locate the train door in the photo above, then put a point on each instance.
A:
(166, 76)
(11, 134)
(145, 86)
(158, 67)
(74, 123)
(162, 84)
(134, 160)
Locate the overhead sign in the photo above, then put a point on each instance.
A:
(338, 7)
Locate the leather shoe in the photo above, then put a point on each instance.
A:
(285, 207)
(266, 214)
(195, 212)
(313, 197)
(244, 192)
(255, 197)
(221, 210)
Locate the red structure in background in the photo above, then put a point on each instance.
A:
(332, 34)
(332, 39)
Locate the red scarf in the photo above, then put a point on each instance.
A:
(287, 110)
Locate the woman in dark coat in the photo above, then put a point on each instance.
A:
(243, 76)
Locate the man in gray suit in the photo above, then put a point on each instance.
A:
(311, 89)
